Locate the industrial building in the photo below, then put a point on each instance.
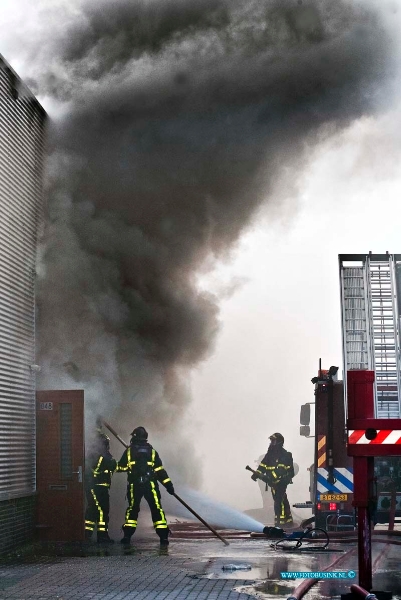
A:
(22, 134)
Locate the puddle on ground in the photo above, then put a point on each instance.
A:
(267, 565)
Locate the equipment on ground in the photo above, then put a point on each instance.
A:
(313, 539)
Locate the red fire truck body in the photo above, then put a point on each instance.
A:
(331, 481)
(331, 474)
(333, 493)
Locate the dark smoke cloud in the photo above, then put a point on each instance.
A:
(183, 118)
(114, 37)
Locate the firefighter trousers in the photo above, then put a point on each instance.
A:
(282, 511)
(150, 491)
(97, 512)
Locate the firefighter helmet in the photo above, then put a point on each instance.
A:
(103, 438)
(277, 437)
(140, 433)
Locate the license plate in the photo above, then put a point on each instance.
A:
(333, 497)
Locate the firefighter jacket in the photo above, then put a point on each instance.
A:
(143, 464)
(276, 467)
(102, 468)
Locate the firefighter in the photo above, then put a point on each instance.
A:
(144, 470)
(98, 482)
(277, 470)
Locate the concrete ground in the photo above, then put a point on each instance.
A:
(190, 568)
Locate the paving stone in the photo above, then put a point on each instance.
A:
(136, 577)
(190, 571)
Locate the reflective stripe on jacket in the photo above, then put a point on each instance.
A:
(142, 462)
(277, 469)
(103, 470)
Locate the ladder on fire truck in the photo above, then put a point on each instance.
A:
(370, 305)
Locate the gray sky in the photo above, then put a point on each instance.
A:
(287, 315)
(278, 286)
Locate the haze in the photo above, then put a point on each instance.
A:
(292, 180)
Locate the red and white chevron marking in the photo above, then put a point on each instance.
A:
(384, 436)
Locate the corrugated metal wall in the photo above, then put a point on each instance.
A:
(21, 171)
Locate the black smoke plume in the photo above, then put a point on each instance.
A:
(181, 118)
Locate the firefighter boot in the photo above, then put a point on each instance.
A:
(128, 533)
(103, 538)
(163, 535)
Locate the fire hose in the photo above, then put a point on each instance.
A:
(296, 539)
(174, 494)
(304, 587)
(362, 593)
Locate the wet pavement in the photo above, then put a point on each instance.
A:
(192, 567)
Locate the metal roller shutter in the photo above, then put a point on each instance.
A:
(21, 171)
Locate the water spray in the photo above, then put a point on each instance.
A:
(174, 494)
(220, 514)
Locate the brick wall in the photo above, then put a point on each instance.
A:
(17, 522)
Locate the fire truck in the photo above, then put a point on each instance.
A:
(331, 474)
(370, 289)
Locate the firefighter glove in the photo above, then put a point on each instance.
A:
(255, 476)
(170, 487)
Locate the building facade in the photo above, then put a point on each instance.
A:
(22, 133)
